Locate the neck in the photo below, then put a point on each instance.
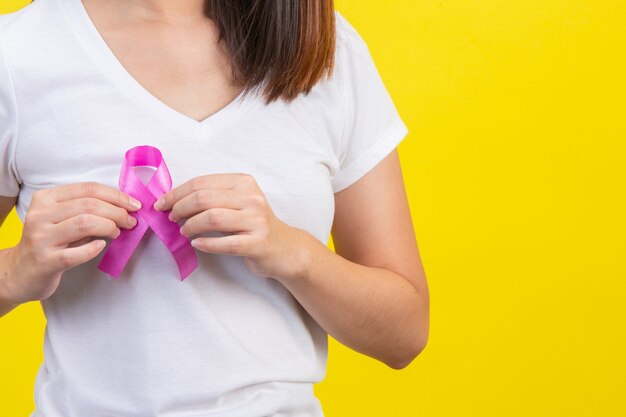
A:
(178, 11)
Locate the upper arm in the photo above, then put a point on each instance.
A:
(6, 205)
(373, 226)
(9, 177)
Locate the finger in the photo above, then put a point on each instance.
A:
(81, 226)
(70, 257)
(218, 181)
(90, 205)
(228, 245)
(79, 242)
(205, 199)
(95, 190)
(219, 219)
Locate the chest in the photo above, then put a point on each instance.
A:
(80, 116)
(192, 81)
(185, 67)
(83, 134)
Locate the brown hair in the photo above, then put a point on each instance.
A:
(283, 47)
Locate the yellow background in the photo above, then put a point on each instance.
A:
(515, 174)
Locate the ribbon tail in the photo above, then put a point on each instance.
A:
(178, 245)
(185, 258)
(121, 249)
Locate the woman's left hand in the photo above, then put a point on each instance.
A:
(234, 203)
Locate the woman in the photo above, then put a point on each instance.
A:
(276, 128)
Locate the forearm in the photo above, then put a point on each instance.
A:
(372, 310)
(7, 260)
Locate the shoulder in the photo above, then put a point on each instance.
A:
(34, 40)
(352, 96)
(351, 50)
(352, 59)
(321, 111)
(347, 36)
(26, 32)
(20, 22)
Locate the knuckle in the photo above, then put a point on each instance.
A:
(88, 204)
(65, 259)
(89, 188)
(112, 227)
(200, 197)
(36, 237)
(234, 246)
(197, 183)
(213, 218)
(83, 222)
(257, 200)
(123, 216)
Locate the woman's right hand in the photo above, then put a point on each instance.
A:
(56, 235)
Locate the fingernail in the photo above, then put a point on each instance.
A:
(135, 203)
(181, 231)
(118, 233)
(171, 216)
(160, 203)
(132, 221)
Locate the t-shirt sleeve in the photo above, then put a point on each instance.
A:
(372, 127)
(9, 180)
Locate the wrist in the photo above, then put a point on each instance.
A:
(301, 247)
(7, 277)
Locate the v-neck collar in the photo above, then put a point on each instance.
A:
(109, 63)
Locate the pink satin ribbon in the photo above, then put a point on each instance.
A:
(121, 248)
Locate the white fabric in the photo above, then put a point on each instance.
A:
(223, 342)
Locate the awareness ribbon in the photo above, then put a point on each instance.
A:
(121, 248)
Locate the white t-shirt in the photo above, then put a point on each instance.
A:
(224, 342)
